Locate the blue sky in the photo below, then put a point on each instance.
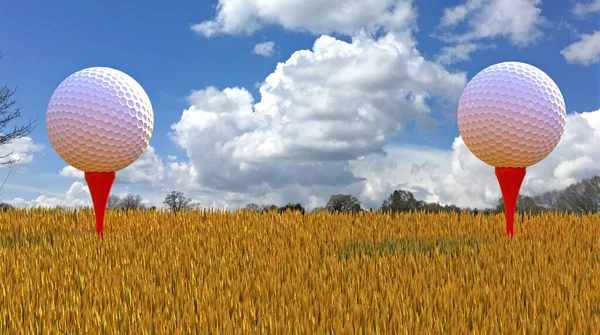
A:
(202, 64)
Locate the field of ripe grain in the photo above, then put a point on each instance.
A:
(243, 272)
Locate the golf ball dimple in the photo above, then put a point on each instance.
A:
(511, 114)
(99, 120)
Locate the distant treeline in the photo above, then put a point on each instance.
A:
(582, 197)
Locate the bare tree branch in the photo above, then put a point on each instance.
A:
(176, 202)
(582, 197)
(132, 202)
(113, 202)
(5, 179)
(8, 113)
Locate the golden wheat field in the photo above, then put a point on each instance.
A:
(217, 272)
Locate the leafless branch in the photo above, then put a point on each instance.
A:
(5, 179)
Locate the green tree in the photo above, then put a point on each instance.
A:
(318, 209)
(401, 201)
(6, 206)
(343, 203)
(268, 208)
(292, 207)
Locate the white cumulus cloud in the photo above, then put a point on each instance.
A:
(449, 176)
(520, 21)
(264, 49)
(323, 126)
(459, 53)
(318, 110)
(585, 51)
(587, 8)
(325, 117)
(78, 195)
(19, 150)
(318, 17)
(457, 177)
(146, 169)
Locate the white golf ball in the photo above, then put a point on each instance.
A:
(511, 114)
(99, 120)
